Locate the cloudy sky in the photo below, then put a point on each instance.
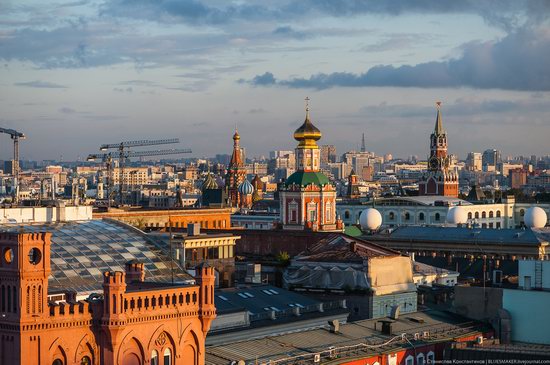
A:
(75, 74)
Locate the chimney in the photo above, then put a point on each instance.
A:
(193, 229)
(134, 272)
(334, 326)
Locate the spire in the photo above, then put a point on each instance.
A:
(307, 107)
(363, 147)
(438, 124)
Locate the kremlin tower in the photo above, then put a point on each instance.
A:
(307, 198)
(439, 179)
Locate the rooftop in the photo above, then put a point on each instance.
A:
(534, 236)
(82, 251)
(352, 340)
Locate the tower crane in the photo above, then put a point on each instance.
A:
(15, 136)
(124, 154)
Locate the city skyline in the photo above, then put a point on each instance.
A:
(79, 74)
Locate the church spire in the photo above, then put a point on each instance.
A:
(363, 146)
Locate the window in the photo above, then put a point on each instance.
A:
(409, 360)
(498, 213)
(491, 214)
(57, 362)
(421, 217)
(483, 215)
(522, 212)
(491, 225)
(430, 358)
(346, 214)
(498, 224)
(477, 215)
(469, 215)
(484, 225)
(154, 358)
(167, 357)
(437, 216)
(407, 216)
(420, 359)
(392, 215)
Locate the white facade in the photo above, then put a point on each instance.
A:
(405, 211)
(45, 214)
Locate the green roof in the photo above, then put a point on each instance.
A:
(353, 231)
(306, 178)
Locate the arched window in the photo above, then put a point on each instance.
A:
(483, 214)
(498, 213)
(392, 215)
(346, 214)
(469, 215)
(86, 361)
(522, 212)
(430, 358)
(491, 215)
(409, 360)
(477, 215)
(407, 216)
(420, 359)
(421, 217)
(167, 357)
(57, 362)
(154, 357)
(437, 216)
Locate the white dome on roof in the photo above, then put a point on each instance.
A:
(370, 219)
(535, 217)
(457, 215)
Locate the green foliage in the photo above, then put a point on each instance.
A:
(283, 258)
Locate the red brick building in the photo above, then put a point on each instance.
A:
(134, 322)
(308, 199)
(440, 178)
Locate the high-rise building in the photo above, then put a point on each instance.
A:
(328, 154)
(491, 158)
(473, 161)
(308, 199)
(439, 179)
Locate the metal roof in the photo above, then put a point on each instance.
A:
(353, 339)
(82, 251)
(464, 234)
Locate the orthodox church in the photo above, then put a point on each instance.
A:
(307, 198)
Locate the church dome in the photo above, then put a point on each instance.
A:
(209, 183)
(236, 136)
(307, 132)
(457, 215)
(370, 219)
(246, 188)
(535, 217)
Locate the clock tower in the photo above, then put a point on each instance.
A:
(440, 179)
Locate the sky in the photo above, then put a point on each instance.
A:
(80, 73)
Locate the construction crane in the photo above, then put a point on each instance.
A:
(15, 136)
(108, 159)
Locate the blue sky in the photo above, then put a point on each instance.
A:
(77, 74)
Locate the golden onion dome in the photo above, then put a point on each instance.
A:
(307, 132)
(236, 136)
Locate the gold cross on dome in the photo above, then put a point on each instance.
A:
(307, 102)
